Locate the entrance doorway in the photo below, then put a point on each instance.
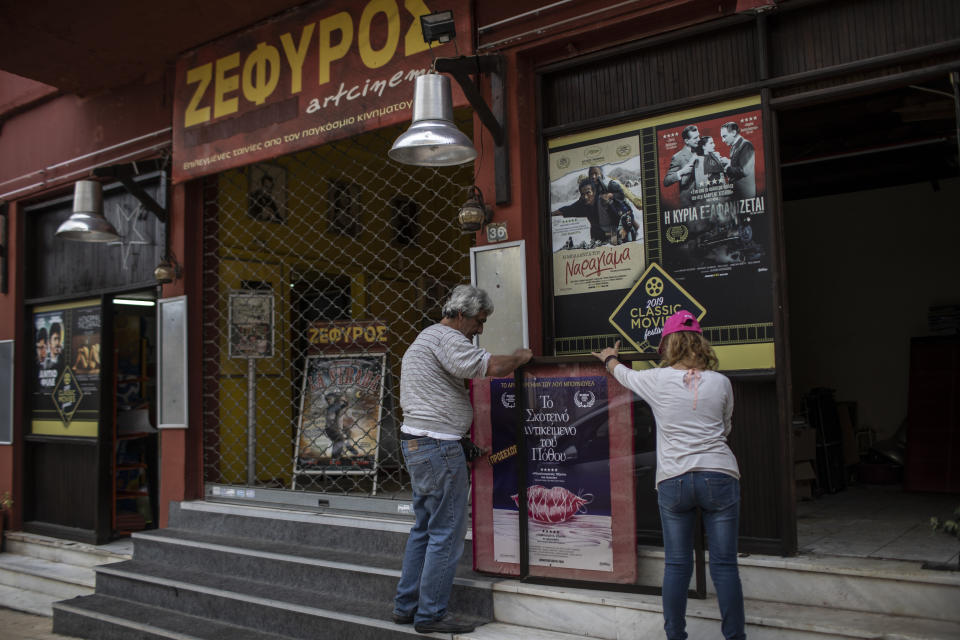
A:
(870, 187)
(134, 469)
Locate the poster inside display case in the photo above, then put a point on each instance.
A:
(250, 324)
(65, 380)
(695, 184)
(579, 475)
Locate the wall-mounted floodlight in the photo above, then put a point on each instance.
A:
(438, 27)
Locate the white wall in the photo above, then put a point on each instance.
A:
(862, 270)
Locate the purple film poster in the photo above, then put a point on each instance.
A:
(568, 473)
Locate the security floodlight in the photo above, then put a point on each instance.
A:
(438, 27)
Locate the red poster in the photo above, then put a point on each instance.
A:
(326, 71)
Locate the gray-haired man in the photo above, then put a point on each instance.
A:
(436, 414)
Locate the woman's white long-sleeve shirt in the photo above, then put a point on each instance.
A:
(693, 418)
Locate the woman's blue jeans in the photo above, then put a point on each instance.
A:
(438, 475)
(718, 496)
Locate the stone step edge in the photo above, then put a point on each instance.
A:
(14, 598)
(271, 603)
(124, 623)
(25, 538)
(874, 568)
(47, 570)
(759, 612)
(479, 582)
(504, 631)
(489, 631)
(374, 522)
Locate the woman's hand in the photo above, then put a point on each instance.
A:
(606, 353)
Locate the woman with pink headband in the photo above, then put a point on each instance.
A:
(693, 407)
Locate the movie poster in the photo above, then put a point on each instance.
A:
(595, 216)
(65, 379)
(704, 219)
(714, 219)
(568, 475)
(340, 412)
(578, 453)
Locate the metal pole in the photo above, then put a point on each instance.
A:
(251, 421)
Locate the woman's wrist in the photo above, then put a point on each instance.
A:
(606, 361)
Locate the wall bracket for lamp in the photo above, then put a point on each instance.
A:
(125, 173)
(493, 117)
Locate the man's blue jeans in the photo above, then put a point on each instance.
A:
(438, 474)
(718, 496)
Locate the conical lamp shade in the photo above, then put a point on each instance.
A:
(87, 223)
(433, 140)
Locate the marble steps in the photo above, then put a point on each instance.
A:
(261, 607)
(293, 572)
(369, 577)
(78, 554)
(107, 618)
(18, 599)
(867, 585)
(36, 571)
(611, 616)
(348, 533)
(856, 584)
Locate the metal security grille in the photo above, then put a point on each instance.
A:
(319, 270)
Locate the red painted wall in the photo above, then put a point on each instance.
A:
(35, 143)
(48, 140)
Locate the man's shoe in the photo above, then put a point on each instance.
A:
(403, 618)
(447, 624)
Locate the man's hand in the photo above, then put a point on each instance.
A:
(500, 366)
(471, 451)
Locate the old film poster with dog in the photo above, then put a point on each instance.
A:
(341, 408)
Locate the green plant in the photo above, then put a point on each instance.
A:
(6, 501)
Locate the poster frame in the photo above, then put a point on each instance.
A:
(54, 420)
(503, 275)
(173, 370)
(744, 340)
(262, 327)
(623, 504)
(7, 358)
(305, 391)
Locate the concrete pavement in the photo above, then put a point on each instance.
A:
(17, 625)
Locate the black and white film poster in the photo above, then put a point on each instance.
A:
(714, 218)
(340, 413)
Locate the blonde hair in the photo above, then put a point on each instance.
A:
(691, 348)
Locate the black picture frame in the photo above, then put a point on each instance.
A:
(267, 193)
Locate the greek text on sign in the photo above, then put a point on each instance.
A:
(655, 297)
(339, 336)
(318, 73)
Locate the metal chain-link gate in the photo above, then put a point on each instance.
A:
(320, 268)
